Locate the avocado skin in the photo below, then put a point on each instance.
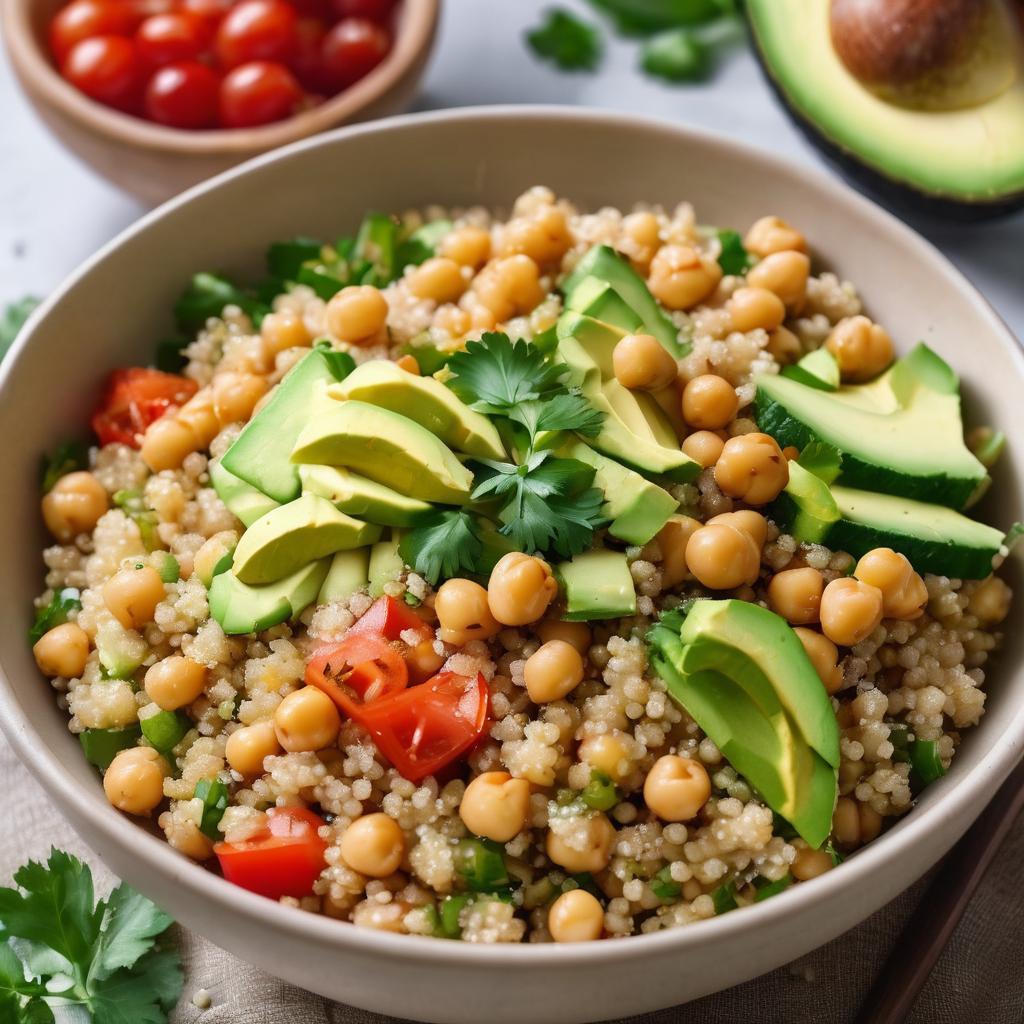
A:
(885, 190)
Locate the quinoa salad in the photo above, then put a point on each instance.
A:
(544, 575)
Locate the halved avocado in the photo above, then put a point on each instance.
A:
(965, 159)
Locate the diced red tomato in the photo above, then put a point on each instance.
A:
(367, 665)
(284, 861)
(166, 38)
(258, 93)
(388, 618)
(135, 398)
(183, 95)
(352, 49)
(107, 69)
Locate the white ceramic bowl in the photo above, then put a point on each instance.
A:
(114, 309)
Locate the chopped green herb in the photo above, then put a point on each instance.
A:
(733, 258)
(600, 792)
(665, 887)
(56, 613)
(481, 864)
(766, 889)
(14, 316)
(899, 737)
(285, 259)
(214, 795)
(451, 909)
(373, 258)
(678, 55)
(411, 600)
(325, 276)
(419, 246)
(170, 569)
(133, 504)
(925, 763)
(165, 730)
(567, 41)
(67, 458)
(583, 880)
(99, 963)
(724, 898)
(101, 746)
(206, 296)
(445, 545)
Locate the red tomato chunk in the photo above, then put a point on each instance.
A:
(135, 398)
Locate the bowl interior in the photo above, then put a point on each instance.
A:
(114, 311)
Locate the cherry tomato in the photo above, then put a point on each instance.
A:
(107, 69)
(256, 30)
(82, 19)
(351, 49)
(135, 398)
(306, 62)
(284, 861)
(363, 667)
(208, 10)
(388, 618)
(258, 93)
(166, 38)
(321, 9)
(375, 10)
(183, 95)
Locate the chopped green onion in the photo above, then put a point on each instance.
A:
(899, 737)
(411, 600)
(133, 504)
(481, 863)
(925, 764)
(724, 898)
(56, 613)
(766, 889)
(67, 458)
(600, 792)
(374, 252)
(733, 257)
(170, 569)
(165, 730)
(101, 746)
(214, 795)
(284, 259)
(451, 909)
(665, 887)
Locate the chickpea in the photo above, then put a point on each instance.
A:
(752, 468)
(904, 594)
(306, 720)
(210, 554)
(482, 319)
(784, 346)
(824, 656)
(750, 308)
(74, 505)
(773, 234)
(247, 748)
(704, 447)
(439, 279)
(62, 651)
(544, 236)
(132, 595)
(846, 822)
(575, 633)
(167, 442)
(641, 362)
(641, 236)
(134, 780)
(235, 396)
(553, 671)
(187, 839)
(795, 594)
(175, 682)
(520, 589)
(454, 321)
(576, 916)
(589, 851)
(463, 612)
(723, 557)
(785, 274)
(496, 806)
(282, 331)
(748, 521)
(409, 364)
(373, 845)
(709, 402)
(676, 788)
(862, 349)
(990, 602)
(509, 286)
(808, 864)
(607, 752)
(468, 246)
(681, 277)
(357, 314)
(673, 538)
(850, 610)
(870, 822)
(199, 415)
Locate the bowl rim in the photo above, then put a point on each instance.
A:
(414, 27)
(155, 855)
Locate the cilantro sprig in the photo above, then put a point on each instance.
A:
(567, 41)
(445, 545)
(95, 961)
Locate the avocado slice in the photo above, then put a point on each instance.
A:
(901, 433)
(934, 538)
(966, 161)
(637, 508)
(743, 675)
(261, 455)
(361, 497)
(243, 501)
(597, 585)
(387, 447)
(349, 573)
(386, 563)
(597, 298)
(817, 369)
(604, 263)
(425, 400)
(240, 608)
(635, 432)
(288, 537)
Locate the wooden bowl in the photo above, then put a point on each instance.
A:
(154, 162)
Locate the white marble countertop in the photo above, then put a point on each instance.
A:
(54, 212)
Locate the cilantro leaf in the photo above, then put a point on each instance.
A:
(494, 374)
(446, 544)
(13, 319)
(823, 460)
(568, 411)
(567, 41)
(733, 257)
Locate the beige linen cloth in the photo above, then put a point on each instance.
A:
(979, 980)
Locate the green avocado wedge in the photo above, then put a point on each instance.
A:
(349, 572)
(241, 609)
(597, 585)
(243, 501)
(901, 434)
(741, 672)
(362, 497)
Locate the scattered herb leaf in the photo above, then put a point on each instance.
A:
(206, 296)
(443, 546)
(569, 42)
(733, 257)
(67, 458)
(56, 613)
(724, 898)
(677, 55)
(14, 316)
